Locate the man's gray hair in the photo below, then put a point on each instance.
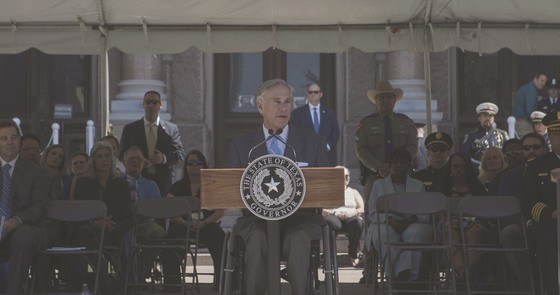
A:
(131, 149)
(261, 90)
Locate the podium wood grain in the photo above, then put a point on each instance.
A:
(220, 188)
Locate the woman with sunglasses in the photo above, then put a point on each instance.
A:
(209, 232)
(348, 218)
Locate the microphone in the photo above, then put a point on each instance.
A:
(270, 135)
(276, 135)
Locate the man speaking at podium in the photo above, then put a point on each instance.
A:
(274, 101)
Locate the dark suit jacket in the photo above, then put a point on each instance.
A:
(116, 197)
(309, 147)
(168, 142)
(328, 128)
(546, 107)
(30, 192)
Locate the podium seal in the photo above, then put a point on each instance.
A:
(272, 187)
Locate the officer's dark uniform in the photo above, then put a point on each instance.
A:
(430, 175)
(540, 202)
(546, 105)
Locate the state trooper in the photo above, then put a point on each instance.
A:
(380, 133)
(551, 103)
(539, 199)
(485, 135)
(438, 145)
(539, 127)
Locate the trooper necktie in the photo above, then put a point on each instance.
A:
(388, 138)
(5, 198)
(274, 147)
(315, 120)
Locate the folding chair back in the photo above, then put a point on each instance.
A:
(416, 203)
(76, 210)
(163, 208)
(490, 206)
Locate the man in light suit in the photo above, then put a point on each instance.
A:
(23, 201)
(159, 140)
(318, 118)
(274, 101)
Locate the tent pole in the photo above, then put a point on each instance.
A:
(428, 80)
(104, 85)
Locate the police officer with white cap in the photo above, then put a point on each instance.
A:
(486, 135)
(539, 127)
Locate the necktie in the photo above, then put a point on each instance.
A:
(315, 120)
(388, 138)
(5, 198)
(133, 184)
(275, 147)
(151, 140)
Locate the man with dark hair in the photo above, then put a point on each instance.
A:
(525, 103)
(550, 103)
(159, 140)
(274, 102)
(30, 148)
(318, 118)
(22, 203)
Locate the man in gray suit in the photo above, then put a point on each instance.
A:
(274, 101)
(23, 199)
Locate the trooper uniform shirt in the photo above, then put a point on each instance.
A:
(429, 177)
(370, 138)
(468, 147)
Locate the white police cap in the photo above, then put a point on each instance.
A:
(487, 107)
(537, 116)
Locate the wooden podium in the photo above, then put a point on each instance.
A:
(220, 189)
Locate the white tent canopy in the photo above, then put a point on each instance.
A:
(173, 26)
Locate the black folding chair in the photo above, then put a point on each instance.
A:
(159, 209)
(77, 212)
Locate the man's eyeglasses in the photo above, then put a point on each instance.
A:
(194, 162)
(314, 91)
(532, 146)
(153, 101)
(438, 150)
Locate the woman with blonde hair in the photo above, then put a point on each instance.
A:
(492, 164)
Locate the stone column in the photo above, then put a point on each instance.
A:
(140, 73)
(405, 70)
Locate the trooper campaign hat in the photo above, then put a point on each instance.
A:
(384, 87)
(488, 108)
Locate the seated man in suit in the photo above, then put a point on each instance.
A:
(274, 101)
(319, 118)
(22, 203)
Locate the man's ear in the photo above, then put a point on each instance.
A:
(260, 104)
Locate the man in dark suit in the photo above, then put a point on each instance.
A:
(23, 200)
(159, 140)
(274, 101)
(550, 104)
(318, 118)
(539, 198)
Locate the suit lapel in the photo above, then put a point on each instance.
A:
(307, 117)
(295, 139)
(19, 171)
(142, 135)
(261, 150)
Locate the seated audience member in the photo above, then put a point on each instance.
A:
(114, 142)
(438, 145)
(492, 164)
(412, 228)
(348, 218)
(142, 189)
(513, 153)
(23, 204)
(102, 183)
(53, 161)
(78, 168)
(30, 148)
(209, 231)
(460, 180)
(511, 184)
(539, 127)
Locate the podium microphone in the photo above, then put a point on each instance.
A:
(270, 135)
(276, 135)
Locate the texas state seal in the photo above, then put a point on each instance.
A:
(272, 187)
